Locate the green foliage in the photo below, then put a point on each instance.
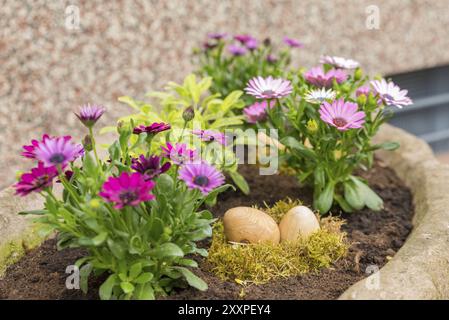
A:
(210, 113)
(231, 72)
(264, 262)
(324, 157)
(145, 250)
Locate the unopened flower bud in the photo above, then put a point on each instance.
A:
(361, 100)
(267, 42)
(121, 127)
(312, 126)
(87, 143)
(94, 203)
(188, 114)
(338, 154)
(358, 74)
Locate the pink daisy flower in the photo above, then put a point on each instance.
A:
(391, 94)
(89, 114)
(129, 189)
(342, 115)
(35, 181)
(339, 62)
(201, 176)
(210, 135)
(293, 43)
(179, 153)
(57, 151)
(257, 111)
(365, 90)
(149, 167)
(152, 129)
(319, 78)
(268, 88)
(237, 50)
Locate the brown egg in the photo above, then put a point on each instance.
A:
(298, 221)
(249, 225)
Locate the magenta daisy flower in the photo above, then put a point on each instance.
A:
(257, 111)
(271, 58)
(149, 167)
(129, 189)
(268, 88)
(237, 50)
(89, 114)
(342, 115)
(339, 62)
(217, 35)
(293, 43)
(35, 181)
(210, 135)
(201, 176)
(244, 38)
(152, 128)
(178, 153)
(57, 151)
(391, 94)
(319, 78)
(29, 149)
(252, 44)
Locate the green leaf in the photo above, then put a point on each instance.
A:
(324, 199)
(192, 279)
(127, 287)
(144, 278)
(144, 292)
(116, 249)
(343, 204)
(294, 144)
(239, 181)
(168, 250)
(165, 183)
(353, 195)
(389, 146)
(98, 240)
(34, 212)
(107, 286)
(372, 200)
(85, 271)
(135, 270)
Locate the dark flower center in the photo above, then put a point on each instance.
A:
(57, 158)
(128, 196)
(340, 122)
(388, 97)
(201, 181)
(268, 93)
(41, 181)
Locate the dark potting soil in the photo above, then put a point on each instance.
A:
(375, 238)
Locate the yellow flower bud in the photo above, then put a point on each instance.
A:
(95, 203)
(312, 126)
(338, 154)
(358, 74)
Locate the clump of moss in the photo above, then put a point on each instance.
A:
(278, 210)
(262, 262)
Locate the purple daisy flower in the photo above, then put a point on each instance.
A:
(293, 43)
(342, 115)
(149, 167)
(89, 114)
(271, 58)
(152, 129)
(217, 35)
(35, 181)
(201, 176)
(391, 94)
(29, 149)
(209, 46)
(237, 50)
(339, 62)
(365, 90)
(179, 153)
(252, 44)
(129, 189)
(319, 78)
(244, 38)
(57, 151)
(257, 111)
(268, 88)
(210, 135)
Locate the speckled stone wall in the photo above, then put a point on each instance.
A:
(129, 47)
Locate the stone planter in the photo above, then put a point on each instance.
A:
(419, 270)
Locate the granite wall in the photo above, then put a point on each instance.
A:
(51, 62)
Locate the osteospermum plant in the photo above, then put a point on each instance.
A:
(138, 213)
(232, 60)
(327, 117)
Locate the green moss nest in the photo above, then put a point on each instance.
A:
(263, 262)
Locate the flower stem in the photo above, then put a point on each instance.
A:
(94, 147)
